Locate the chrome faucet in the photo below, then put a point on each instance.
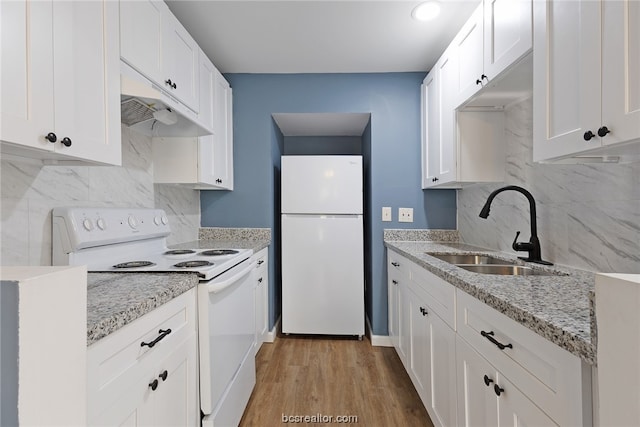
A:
(533, 245)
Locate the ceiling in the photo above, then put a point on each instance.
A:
(323, 124)
(331, 36)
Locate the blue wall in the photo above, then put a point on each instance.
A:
(391, 150)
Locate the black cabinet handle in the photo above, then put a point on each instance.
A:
(498, 389)
(163, 333)
(478, 82)
(484, 77)
(423, 311)
(163, 375)
(588, 135)
(435, 179)
(260, 280)
(487, 381)
(395, 282)
(51, 137)
(66, 141)
(395, 264)
(603, 131)
(260, 262)
(154, 385)
(489, 336)
(170, 83)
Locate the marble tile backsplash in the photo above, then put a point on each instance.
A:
(28, 193)
(588, 215)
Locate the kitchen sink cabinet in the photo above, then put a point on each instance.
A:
(487, 398)
(61, 81)
(206, 162)
(134, 384)
(261, 297)
(496, 36)
(155, 44)
(586, 78)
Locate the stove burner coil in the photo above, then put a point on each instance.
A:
(191, 264)
(180, 252)
(134, 264)
(218, 252)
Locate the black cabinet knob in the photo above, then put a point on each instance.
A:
(484, 77)
(603, 131)
(170, 83)
(164, 375)
(154, 385)
(498, 390)
(478, 82)
(487, 381)
(66, 141)
(51, 137)
(588, 135)
(423, 311)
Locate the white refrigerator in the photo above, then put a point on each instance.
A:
(322, 245)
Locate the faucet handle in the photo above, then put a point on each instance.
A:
(521, 246)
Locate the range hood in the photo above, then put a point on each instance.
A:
(146, 109)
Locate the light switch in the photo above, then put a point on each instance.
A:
(386, 213)
(405, 214)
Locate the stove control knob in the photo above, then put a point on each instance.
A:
(133, 222)
(165, 220)
(157, 220)
(102, 224)
(87, 224)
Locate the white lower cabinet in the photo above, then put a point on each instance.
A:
(474, 366)
(261, 296)
(146, 372)
(487, 398)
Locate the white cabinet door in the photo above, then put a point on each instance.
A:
(621, 70)
(566, 81)
(27, 73)
(404, 324)
(430, 127)
(477, 403)
(392, 304)
(469, 50)
(223, 133)
(86, 67)
(442, 406)
(180, 62)
(261, 297)
(206, 114)
(141, 36)
(61, 76)
(516, 410)
(420, 347)
(508, 34)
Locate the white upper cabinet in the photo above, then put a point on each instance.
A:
(586, 77)
(430, 127)
(497, 36)
(180, 62)
(155, 44)
(223, 133)
(141, 35)
(61, 81)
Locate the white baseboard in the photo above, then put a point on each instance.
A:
(377, 340)
(271, 335)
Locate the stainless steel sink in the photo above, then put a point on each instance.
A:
(506, 270)
(470, 259)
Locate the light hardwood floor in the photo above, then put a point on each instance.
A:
(299, 375)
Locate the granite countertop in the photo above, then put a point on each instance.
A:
(557, 307)
(117, 299)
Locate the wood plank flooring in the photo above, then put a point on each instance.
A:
(332, 377)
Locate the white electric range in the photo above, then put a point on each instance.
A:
(124, 241)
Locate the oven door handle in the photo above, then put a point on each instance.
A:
(216, 286)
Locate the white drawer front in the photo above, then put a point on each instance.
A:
(548, 375)
(397, 263)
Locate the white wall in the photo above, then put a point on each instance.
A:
(29, 192)
(588, 215)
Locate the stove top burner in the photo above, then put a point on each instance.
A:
(134, 264)
(190, 264)
(180, 252)
(218, 252)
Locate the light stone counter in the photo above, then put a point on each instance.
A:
(556, 307)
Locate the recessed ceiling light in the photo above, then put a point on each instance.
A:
(426, 11)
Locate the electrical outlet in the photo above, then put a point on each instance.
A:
(405, 214)
(386, 214)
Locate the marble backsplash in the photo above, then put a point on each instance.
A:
(29, 192)
(588, 215)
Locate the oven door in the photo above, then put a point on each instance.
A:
(226, 331)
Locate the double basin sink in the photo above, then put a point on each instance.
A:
(486, 264)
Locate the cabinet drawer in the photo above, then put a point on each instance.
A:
(441, 296)
(397, 263)
(548, 375)
(118, 361)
